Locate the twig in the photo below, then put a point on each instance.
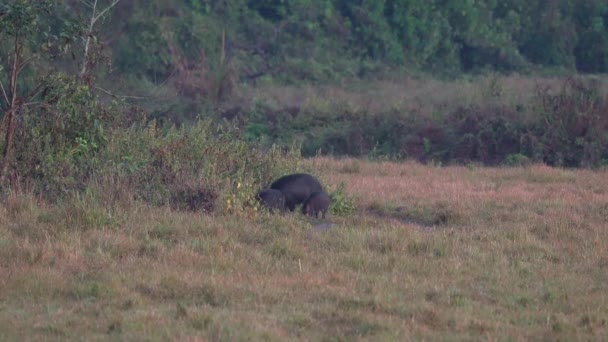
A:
(41, 104)
(25, 63)
(4, 93)
(105, 10)
(36, 91)
(88, 42)
(122, 96)
(86, 3)
(94, 19)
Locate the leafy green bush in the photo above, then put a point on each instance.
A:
(201, 166)
(74, 143)
(341, 203)
(59, 142)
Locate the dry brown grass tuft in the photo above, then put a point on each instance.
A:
(431, 253)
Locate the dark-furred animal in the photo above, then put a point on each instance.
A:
(316, 204)
(296, 188)
(271, 199)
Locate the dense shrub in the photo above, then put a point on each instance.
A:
(571, 126)
(59, 141)
(75, 143)
(199, 166)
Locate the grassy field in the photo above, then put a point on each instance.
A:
(433, 253)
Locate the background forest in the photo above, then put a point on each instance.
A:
(324, 40)
(435, 81)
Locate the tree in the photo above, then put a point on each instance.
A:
(89, 36)
(20, 22)
(36, 28)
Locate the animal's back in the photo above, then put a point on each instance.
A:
(294, 179)
(296, 187)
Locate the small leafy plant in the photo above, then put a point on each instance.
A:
(341, 203)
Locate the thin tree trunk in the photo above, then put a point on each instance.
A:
(8, 142)
(10, 114)
(87, 45)
(85, 61)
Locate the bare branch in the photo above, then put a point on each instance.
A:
(87, 3)
(15, 70)
(105, 10)
(4, 93)
(25, 63)
(39, 88)
(94, 18)
(122, 96)
(39, 104)
(88, 42)
(9, 116)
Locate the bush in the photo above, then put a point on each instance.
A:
(571, 125)
(341, 203)
(204, 166)
(75, 143)
(58, 144)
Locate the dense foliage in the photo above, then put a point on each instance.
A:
(322, 39)
(62, 137)
(68, 62)
(202, 48)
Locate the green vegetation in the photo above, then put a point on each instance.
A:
(63, 139)
(135, 133)
(324, 39)
(178, 61)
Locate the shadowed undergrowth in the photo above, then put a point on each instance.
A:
(493, 120)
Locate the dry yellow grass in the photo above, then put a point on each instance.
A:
(437, 253)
